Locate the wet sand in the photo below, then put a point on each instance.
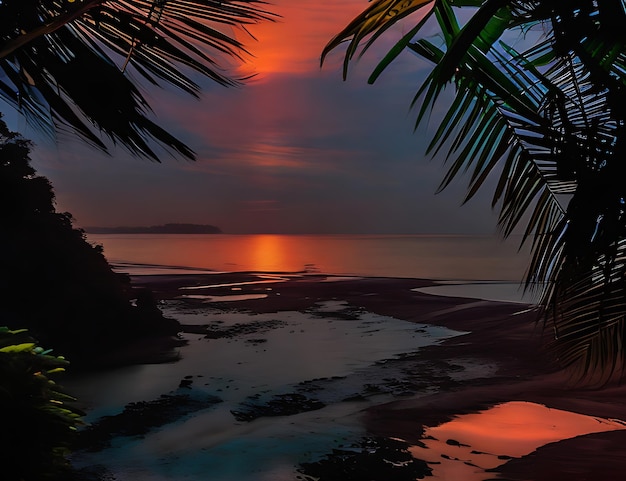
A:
(502, 338)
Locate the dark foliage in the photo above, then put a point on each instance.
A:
(38, 424)
(51, 279)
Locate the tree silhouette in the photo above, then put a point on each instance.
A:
(52, 280)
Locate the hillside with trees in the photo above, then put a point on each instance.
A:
(54, 282)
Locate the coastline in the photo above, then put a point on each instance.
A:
(500, 335)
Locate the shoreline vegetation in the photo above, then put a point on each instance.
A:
(54, 282)
(501, 358)
(172, 228)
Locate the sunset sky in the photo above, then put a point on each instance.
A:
(295, 150)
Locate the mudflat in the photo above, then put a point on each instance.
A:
(444, 408)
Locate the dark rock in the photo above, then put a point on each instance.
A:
(238, 329)
(281, 405)
(372, 459)
(139, 418)
(186, 383)
(454, 442)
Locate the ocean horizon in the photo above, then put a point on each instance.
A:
(431, 256)
(481, 266)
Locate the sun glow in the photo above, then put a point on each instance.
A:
(294, 43)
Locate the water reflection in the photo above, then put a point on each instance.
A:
(228, 298)
(416, 256)
(237, 285)
(472, 443)
(267, 251)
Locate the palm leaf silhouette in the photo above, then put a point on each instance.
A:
(65, 65)
(549, 120)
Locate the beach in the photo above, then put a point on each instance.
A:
(482, 358)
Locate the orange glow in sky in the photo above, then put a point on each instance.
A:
(512, 429)
(294, 42)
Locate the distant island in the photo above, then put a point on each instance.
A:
(157, 229)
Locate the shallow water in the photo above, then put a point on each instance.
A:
(297, 346)
(333, 345)
(231, 298)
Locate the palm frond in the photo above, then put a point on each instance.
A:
(64, 63)
(375, 20)
(551, 120)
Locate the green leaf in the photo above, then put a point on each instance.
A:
(26, 346)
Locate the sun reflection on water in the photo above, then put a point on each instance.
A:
(472, 443)
(268, 253)
(417, 256)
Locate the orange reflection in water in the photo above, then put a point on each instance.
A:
(268, 253)
(487, 438)
(272, 253)
(430, 257)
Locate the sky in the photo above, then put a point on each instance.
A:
(296, 150)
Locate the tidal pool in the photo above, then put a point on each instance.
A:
(331, 354)
(466, 446)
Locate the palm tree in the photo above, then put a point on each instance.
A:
(77, 64)
(549, 113)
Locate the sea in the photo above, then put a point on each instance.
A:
(487, 266)
(320, 353)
